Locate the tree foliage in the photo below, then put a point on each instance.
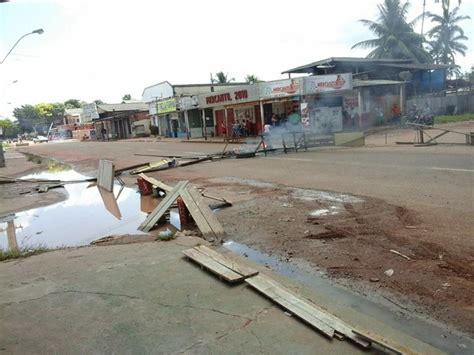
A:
(447, 35)
(251, 79)
(73, 103)
(395, 36)
(221, 78)
(126, 97)
(37, 118)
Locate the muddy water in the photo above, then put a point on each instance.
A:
(78, 220)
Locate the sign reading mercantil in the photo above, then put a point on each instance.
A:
(229, 97)
(281, 88)
(166, 106)
(327, 83)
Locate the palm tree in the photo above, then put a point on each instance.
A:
(251, 79)
(446, 35)
(396, 38)
(221, 78)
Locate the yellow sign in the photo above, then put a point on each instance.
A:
(166, 106)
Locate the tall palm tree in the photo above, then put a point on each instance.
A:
(221, 78)
(396, 38)
(251, 79)
(446, 35)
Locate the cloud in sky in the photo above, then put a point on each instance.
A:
(98, 49)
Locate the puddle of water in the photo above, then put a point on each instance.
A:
(78, 220)
(322, 196)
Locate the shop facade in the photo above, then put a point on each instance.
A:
(231, 108)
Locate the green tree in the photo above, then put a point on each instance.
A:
(396, 38)
(9, 129)
(126, 97)
(99, 102)
(73, 103)
(27, 117)
(251, 79)
(221, 78)
(447, 34)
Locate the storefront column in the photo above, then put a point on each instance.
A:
(359, 102)
(225, 120)
(262, 116)
(186, 122)
(204, 126)
(401, 97)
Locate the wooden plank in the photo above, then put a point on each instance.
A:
(244, 270)
(384, 342)
(151, 166)
(212, 265)
(156, 182)
(291, 302)
(110, 202)
(105, 175)
(197, 215)
(165, 204)
(210, 217)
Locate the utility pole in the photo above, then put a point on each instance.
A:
(423, 17)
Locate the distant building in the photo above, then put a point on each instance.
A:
(117, 119)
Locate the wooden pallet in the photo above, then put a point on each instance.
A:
(219, 264)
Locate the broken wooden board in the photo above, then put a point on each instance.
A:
(160, 210)
(105, 175)
(242, 269)
(322, 320)
(110, 202)
(212, 265)
(151, 166)
(203, 216)
(157, 183)
(385, 343)
(302, 309)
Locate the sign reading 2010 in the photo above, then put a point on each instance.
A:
(241, 95)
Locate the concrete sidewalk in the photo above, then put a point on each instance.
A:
(146, 298)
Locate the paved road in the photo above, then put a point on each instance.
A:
(145, 298)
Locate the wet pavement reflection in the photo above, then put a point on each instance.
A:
(86, 215)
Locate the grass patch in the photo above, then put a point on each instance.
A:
(22, 252)
(454, 118)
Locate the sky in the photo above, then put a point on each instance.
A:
(104, 49)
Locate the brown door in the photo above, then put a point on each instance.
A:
(220, 118)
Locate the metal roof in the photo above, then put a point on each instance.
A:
(307, 68)
(73, 111)
(363, 83)
(417, 66)
(132, 106)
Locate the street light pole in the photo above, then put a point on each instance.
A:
(38, 31)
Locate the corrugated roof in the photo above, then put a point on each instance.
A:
(307, 67)
(132, 106)
(416, 66)
(73, 111)
(363, 83)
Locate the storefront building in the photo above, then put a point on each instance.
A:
(279, 99)
(238, 106)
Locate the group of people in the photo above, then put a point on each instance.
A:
(242, 128)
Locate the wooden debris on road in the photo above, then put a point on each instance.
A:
(221, 265)
(384, 342)
(205, 219)
(325, 322)
(106, 174)
(149, 167)
(157, 183)
(160, 210)
(399, 254)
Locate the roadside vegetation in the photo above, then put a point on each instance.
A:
(10, 254)
(454, 118)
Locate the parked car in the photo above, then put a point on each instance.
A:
(40, 139)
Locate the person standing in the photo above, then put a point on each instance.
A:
(396, 114)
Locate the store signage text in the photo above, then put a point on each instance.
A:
(166, 106)
(281, 88)
(325, 83)
(227, 97)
